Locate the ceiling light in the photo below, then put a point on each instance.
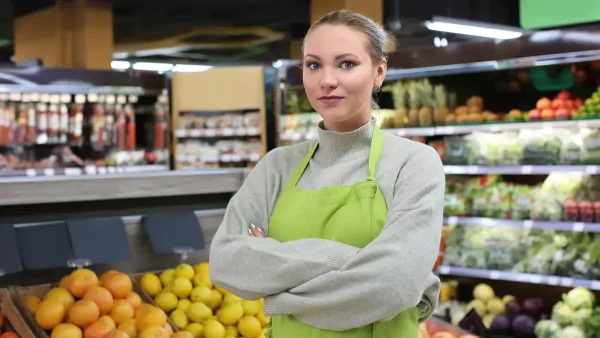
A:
(152, 66)
(120, 65)
(190, 68)
(472, 28)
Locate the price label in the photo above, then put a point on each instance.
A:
(93, 97)
(578, 226)
(452, 220)
(181, 158)
(210, 158)
(240, 131)
(112, 170)
(133, 99)
(196, 132)
(568, 282)
(48, 172)
(450, 130)
(444, 270)
(595, 285)
(90, 170)
(30, 172)
(102, 170)
(254, 157)
(121, 99)
(180, 132)
(211, 132)
(251, 131)
(226, 158)
(236, 158)
(15, 96)
(72, 172)
(80, 98)
(227, 132)
(591, 169)
(528, 224)
(526, 169)
(35, 97)
(65, 98)
(536, 279)
(472, 169)
(494, 274)
(488, 222)
(553, 280)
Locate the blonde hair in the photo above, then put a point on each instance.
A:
(379, 38)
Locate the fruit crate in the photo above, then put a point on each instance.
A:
(14, 322)
(136, 279)
(21, 293)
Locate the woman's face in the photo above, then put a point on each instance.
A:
(339, 75)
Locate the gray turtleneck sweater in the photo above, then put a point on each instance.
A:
(327, 284)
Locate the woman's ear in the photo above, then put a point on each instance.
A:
(381, 71)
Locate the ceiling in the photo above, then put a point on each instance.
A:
(147, 20)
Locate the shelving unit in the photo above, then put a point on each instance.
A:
(524, 224)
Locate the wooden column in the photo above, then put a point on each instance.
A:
(372, 9)
(70, 34)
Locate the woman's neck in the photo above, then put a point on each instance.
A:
(346, 126)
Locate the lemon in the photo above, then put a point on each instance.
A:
(231, 331)
(181, 287)
(215, 299)
(230, 298)
(249, 326)
(230, 314)
(264, 320)
(251, 307)
(202, 269)
(220, 289)
(151, 284)
(198, 312)
(201, 280)
(184, 271)
(183, 304)
(167, 301)
(213, 329)
(153, 331)
(201, 294)
(195, 329)
(179, 318)
(263, 333)
(167, 276)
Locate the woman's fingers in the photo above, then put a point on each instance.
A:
(256, 231)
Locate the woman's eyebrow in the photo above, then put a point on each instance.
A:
(337, 57)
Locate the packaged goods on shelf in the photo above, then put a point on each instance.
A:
(299, 127)
(223, 153)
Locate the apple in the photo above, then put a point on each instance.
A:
(543, 103)
(577, 102)
(564, 95)
(558, 103)
(569, 104)
(563, 114)
(548, 114)
(535, 114)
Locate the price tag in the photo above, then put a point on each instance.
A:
(30, 172)
(488, 222)
(112, 170)
(240, 131)
(210, 158)
(15, 96)
(72, 172)
(595, 285)
(528, 224)
(93, 97)
(591, 169)
(180, 132)
(45, 98)
(65, 98)
(48, 172)
(536, 279)
(452, 220)
(111, 99)
(449, 130)
(227, 132)
(226, 158)
(526, 169)
(196, 132)
(90, 170)
(181, 158)
(211, 132)
(444, 270)
(236, 158)
(251, 131)
(552, 280)
(578, 226)
(34, 97)
(254, 157)
(133, 99)
(494, 274)
(568, 282)
(80, 98)
(102, 170)
(121, 99)
(3, 97)
(472, 169)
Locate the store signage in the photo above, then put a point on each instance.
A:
(540, 14)
(99, 240)
(10, 259)
(44, 246)
(174, 232)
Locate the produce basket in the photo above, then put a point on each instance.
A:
(14, 322)
(136, 279)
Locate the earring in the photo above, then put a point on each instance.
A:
(376, 90)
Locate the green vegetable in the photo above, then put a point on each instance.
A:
(548, 329)
(572, 332)
(579, 298)
(562, 314)
(592, 324)
(580, 317)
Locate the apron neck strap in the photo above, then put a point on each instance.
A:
(374, 156)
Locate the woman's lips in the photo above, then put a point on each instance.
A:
(330, 100)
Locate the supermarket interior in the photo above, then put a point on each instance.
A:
(126, 127)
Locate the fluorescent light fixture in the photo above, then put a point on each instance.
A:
(152, 66)
(182, 68)
(472, 28)
(120, 65)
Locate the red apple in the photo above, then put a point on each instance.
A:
(564, 95)
(548, 114)
(577, 102)
(558, 103)
(543, 103)
(563, 114)
(569, 104)
(535, 114)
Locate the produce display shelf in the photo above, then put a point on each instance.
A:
(494, 65)
(493, 127)
(213, 132)
(519, 169)
(88, 170)
(518, 277)
(525, 224)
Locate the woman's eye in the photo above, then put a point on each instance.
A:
(313, 66)
(347, 65)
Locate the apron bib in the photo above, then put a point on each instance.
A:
(351, 214)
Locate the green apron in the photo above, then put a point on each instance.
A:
(352, 214)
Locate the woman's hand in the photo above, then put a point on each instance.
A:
(256, 231)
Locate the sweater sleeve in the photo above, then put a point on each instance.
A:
(254, 268)
(391, 274)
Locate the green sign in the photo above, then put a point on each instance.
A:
(538, 14)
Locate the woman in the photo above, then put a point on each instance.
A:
(353, 219)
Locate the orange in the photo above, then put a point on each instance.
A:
(61, 295)
(121, 311)
(182, 334)
(102, 297)
(81, 281)
(151, 317)
(154, 332)
(65, 282)
(32, 303)
(9, 335)
(96, 330)
(84, 313)
(108, 321)
(119, 284)
(141, 308)
(66, 331)
(128, 327)
(49, 314)
(116, 334)
(105, 276)
(134, 299)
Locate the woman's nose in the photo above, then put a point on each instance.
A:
(328, 80)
